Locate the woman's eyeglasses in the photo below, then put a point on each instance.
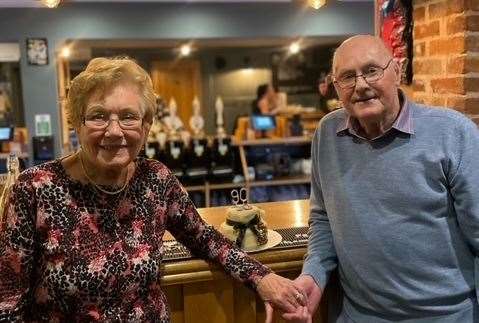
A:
(373, 74)
(101, 120)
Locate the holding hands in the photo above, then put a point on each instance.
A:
(282, 294)
(313, 293)
(297, 300)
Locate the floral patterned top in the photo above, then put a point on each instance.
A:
(69, 252)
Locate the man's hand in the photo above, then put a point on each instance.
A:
(313, 293)
(302, 314)
(281, 293)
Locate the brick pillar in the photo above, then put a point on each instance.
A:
(446, 54)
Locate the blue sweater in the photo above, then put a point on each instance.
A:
(399, 216)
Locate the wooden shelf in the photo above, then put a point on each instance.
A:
(274, 141)
(316, 115)
(213, 186)
(290, 180)
(220, 186)
(195, 188)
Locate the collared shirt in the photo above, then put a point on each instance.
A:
(403, 122)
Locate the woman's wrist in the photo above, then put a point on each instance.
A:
(259, 276)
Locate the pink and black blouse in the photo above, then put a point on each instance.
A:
(69, 252)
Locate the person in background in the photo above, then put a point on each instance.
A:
(394, 200)
(328, 98)
(82, 235)
(5, 109)
(266, 101)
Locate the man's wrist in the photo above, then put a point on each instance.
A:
(312, 278)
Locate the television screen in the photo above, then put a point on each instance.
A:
(6, 133)
(263, 122)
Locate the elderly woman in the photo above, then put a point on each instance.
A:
(82, 235)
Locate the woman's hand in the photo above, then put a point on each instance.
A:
(281, 293)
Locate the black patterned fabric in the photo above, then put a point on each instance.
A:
(71, 253)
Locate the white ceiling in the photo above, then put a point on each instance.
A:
(38, 4)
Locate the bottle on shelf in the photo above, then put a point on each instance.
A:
(13, 170)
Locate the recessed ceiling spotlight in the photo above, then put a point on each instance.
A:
(185, 50)
(294, 47)
(316, 4)
(65, 52)
(51, 3)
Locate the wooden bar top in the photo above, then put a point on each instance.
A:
(286, 214)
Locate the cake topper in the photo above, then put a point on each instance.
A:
(240, 196)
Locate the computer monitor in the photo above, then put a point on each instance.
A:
(263, 123)
(6, 133)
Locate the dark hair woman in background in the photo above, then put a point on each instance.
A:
(266, 101)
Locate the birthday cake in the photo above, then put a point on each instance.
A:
(245, 226)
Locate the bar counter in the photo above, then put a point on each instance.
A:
(202, 292)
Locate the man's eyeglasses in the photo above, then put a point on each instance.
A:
(373, 74)
(101, 120)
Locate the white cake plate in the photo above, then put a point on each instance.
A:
(274, 238)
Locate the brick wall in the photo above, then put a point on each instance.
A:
(446, 54)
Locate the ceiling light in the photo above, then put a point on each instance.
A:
(316, 4)
(65, 52)
(294, 48)
(185, 50)
(51, 3)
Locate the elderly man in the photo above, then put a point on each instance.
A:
(394, 201)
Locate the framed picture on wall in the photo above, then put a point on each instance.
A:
(37, 51)
(394, 24)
